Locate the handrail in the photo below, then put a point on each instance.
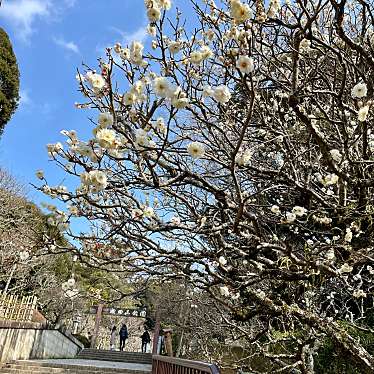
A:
(165, 364)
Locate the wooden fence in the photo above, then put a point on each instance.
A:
(17, 308)
(171, 365)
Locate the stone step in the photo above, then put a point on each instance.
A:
(26, 367)
(114, 357)
(98, 354)
(70, 371)
(102, 351)
(117, 356)
(110, 351)
(133, 360)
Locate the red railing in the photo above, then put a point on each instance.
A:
(171, 365)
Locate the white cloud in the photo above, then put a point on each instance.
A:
(70, 46)
(23, 13)
(24, 98)
(69, 3)
(140, 35)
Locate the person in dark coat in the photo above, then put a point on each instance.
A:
(123, 335)
(145, 340)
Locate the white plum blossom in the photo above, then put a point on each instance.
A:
(299, 211)
(73, 210)
(96, 81)
(153, 14)
(222, 94)
(136, 53)
(239, 11)
(129, 98)
(330, 254)
(275, 209)
(106, 138)
(359, 91)
(141, 138)
(105, 119)
(179, 99)
(160, 126)
(359, 293)
(175, 220)
(261, 294)
(245, 64)
(151, 30)
(180, 102)
(196, 149)
(363, 113)
(322, 220)
(290, 217)
(329, 180)
(162, 87)
(243, 158)
(96, 178)
(125, 53)
(72, 293)
(274, 7)
(39, 174)
(165, 4)
(345, 268)
(207, 91)
(348, 235)
(148, 212)
(305, 45)
(206, 52)
(222, 260)
(196, 57)
(224, 290)
(336, 155)
(99, 179)
(370, 269)
(24, 256)
(175, 47)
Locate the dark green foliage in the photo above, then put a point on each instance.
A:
(331, 361)
(9, 80)
(85, 341)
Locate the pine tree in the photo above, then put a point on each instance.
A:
(9, 80)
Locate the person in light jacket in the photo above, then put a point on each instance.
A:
(113, 336)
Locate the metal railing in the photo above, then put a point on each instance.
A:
(172, 365)
(17, 308)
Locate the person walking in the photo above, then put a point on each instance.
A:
(123, 335)
(145, 340)
(113, 336)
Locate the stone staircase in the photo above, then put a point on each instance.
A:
(116, 356)
(45, 367)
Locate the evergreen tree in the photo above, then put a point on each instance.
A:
(9, 80)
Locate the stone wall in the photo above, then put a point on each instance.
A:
(135, 328)
(27, 342)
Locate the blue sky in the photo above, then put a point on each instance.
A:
(51, 38)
